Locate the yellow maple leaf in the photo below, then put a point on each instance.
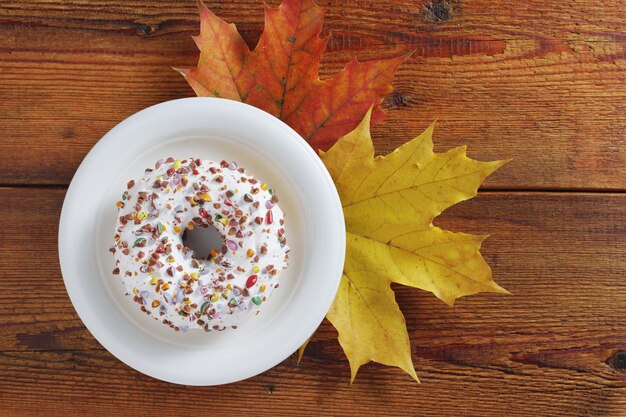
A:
(389, 205)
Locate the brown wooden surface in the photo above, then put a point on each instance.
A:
(543, 82)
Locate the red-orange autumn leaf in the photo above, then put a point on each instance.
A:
(280, 75)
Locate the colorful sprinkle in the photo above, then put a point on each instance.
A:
(251, 280)
(140, 242)
(231, 244)
(256, 300)
(204, 307)
(168, 298)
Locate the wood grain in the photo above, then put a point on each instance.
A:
(553, 348)
(541, 82)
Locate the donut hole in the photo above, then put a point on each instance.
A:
(202, 240)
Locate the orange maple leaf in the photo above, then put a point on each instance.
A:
(280, 75)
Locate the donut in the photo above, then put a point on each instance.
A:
(187, 290)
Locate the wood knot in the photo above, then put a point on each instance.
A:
(441, 10)
(143, 29)
(618, 361)
(271, 389)
(397, 99)
(68, 133)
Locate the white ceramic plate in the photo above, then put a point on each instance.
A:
(209, 129)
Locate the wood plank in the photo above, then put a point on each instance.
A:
(94, 383)
(543, 83)
(398, 19)
(557, 347)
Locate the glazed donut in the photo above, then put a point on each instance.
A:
(183, 289)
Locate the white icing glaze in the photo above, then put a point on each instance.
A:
(150, 257)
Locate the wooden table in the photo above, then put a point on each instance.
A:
(541, 81)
